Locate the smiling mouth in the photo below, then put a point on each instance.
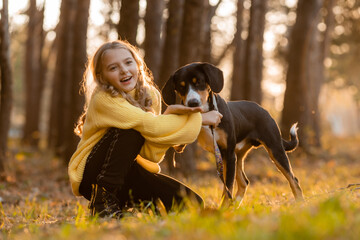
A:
(126, 79)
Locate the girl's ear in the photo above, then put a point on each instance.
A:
(215, 77)
(168, 91)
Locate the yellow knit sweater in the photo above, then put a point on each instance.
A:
(160, 131)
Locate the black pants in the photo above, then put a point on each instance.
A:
(111, 165)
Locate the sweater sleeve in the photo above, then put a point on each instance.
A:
(168, 129)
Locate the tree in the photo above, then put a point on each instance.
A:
(79, 59)
(209, 12)
(248, 54)
(191, 50)
(129, 21)
(319, 48)
(237, 89)
(170, 57)
(66, 105)
(61, 96)
(206, 36)
(6, 84)
(192, 31)
(153, 41)
(253, 63)
(296, 100)
(34, 74)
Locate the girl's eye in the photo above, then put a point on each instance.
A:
(129, 62)
(113, 68)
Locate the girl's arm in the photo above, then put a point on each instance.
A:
(171, 129)
(212, 118)
(181, 109)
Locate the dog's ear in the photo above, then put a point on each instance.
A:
(168, 91)
(214, 76)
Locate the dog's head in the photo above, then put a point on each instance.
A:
(192, 83)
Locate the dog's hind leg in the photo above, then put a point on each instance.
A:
(241, 179)
(281, 160)
(271, 139)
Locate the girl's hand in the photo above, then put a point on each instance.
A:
(212, 118)
(181, 109)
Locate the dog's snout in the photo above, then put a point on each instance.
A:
(193, 103)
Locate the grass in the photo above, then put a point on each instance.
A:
(36, 203)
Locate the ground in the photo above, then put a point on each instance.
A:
(36, 201)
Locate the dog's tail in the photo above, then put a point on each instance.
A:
(294, 140)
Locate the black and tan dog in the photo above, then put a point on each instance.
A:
(244, 125)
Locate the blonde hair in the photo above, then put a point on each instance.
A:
(92, 80)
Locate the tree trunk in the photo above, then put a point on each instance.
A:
(153, 41)
(254, 51)
(61, 96)
(320, 45)
(129, 21)
(209, 12)
(296, 103)
(79, 61)
(170, 58)
(314, 81)
(237, 89)
(191, 50)
(192, 30)
(34, 77)
(71, 59)
(5, 86)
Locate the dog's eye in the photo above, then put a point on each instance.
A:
(182, 84)
(194, 80)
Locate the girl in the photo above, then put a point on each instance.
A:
(124, 136)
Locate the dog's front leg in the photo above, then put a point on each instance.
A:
(229, 161)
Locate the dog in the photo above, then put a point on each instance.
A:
(245, 125)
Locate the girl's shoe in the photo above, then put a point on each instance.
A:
(104, 203)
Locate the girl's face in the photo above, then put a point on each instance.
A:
(119, 68)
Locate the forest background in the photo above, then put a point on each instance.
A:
(298, 59)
